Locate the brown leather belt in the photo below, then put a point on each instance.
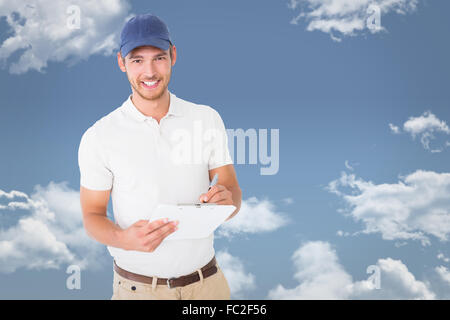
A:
(207, 270)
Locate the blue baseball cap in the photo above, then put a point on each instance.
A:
(144, 30)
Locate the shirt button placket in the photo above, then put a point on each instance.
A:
(161, 139)
(155, 133)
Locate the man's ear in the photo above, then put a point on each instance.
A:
(174, 55)
(120, 62)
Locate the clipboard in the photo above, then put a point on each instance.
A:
(196, 220)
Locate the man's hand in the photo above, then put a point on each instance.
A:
(217, 194)
(146, 236)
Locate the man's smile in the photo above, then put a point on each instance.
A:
(150, 84)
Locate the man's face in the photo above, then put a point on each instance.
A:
(144, 66)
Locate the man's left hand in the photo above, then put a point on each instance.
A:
(217, 194)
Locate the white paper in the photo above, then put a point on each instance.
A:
(194, 221)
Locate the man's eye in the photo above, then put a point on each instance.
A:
(161, 58)
(137, 61)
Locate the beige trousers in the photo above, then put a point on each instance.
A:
(214, 287)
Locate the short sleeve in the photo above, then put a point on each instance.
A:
(94, 172)
(220, 155)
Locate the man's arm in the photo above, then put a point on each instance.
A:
(226, 191)
(96, 223)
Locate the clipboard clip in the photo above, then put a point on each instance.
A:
(197, 205)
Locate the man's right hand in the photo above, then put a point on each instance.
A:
(146, 236)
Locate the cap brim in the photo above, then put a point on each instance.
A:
(156, 42)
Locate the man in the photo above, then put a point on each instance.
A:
(133, 154)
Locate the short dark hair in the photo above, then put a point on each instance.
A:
(170, 53)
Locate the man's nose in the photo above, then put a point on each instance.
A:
(149, 69)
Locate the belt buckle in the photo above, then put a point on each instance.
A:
(168, 282)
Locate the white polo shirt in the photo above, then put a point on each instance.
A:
(145, 164)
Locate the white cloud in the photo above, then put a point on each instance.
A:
(255, 216)
(347, 165)
(341, 233)
(288, 200)
(348, 17)
(321, 276)
(424, 123)
(413, 208)
(444, 273)
(399, 244)
(426, 126)
(51, 233)
(42, 31)
(396, 282)
(239, 281)
(394, 128)
(318, 272)
(32, 245)
(442, 257)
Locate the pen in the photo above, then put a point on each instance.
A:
(214, 181)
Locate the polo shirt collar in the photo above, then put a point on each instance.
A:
(174, 108)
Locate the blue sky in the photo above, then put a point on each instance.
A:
(351, 190)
